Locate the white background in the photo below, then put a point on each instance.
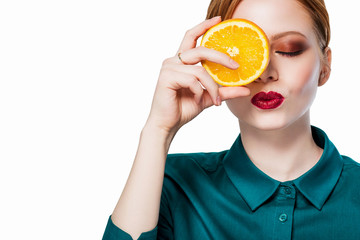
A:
(76, 84)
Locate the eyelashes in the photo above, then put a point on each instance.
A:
(290, 54)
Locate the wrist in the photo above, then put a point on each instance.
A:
(162, 135)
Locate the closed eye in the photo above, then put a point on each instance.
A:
(290, 54)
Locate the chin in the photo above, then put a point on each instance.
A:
(267, 123)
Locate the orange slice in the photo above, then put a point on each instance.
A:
(243, 41)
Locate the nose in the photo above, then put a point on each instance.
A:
(270, 74)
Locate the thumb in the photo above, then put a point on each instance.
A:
(227, 93)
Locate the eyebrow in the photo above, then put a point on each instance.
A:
(283, 34)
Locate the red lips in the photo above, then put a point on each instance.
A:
(270, 100)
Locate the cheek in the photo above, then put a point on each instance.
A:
(242, 107)
(239, 106)
(303, 75)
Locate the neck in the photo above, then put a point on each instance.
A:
(283, 154)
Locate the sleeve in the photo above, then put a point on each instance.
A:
(163, 231)
(165, 223)
(112, 232)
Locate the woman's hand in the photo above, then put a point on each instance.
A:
(179, 96)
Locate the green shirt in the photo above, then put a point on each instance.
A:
(223, 195)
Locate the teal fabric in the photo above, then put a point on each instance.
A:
(223, 195)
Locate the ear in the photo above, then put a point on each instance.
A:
(325, 68)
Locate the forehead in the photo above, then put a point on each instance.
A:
(276, 16)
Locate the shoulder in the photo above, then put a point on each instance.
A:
(193, 162)
(186, 172)
(349, 163)
(349, 184)
(351, 171)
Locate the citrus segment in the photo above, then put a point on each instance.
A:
(244, 42)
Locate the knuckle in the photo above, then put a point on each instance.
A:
(195, 84)
(202, 48)
(164, 67)
(190, 33)
(193, 80)
(166, 61)
(165, 73)
(201, 70)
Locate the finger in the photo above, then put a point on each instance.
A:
(182, 80)
(227, 93)
(192, 35)
(195, 55)
(204, 78)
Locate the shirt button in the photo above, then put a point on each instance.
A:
(288, 190)
(283, 217)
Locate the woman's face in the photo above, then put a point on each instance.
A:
(293, 71)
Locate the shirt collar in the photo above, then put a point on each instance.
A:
(318, 183)
(253, 185)
(256, 187)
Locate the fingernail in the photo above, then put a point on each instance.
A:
(218, 100)
(234, 63)
(217, 17)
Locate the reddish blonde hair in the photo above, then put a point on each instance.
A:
(316, 9)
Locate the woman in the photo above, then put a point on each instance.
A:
(281, 179)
